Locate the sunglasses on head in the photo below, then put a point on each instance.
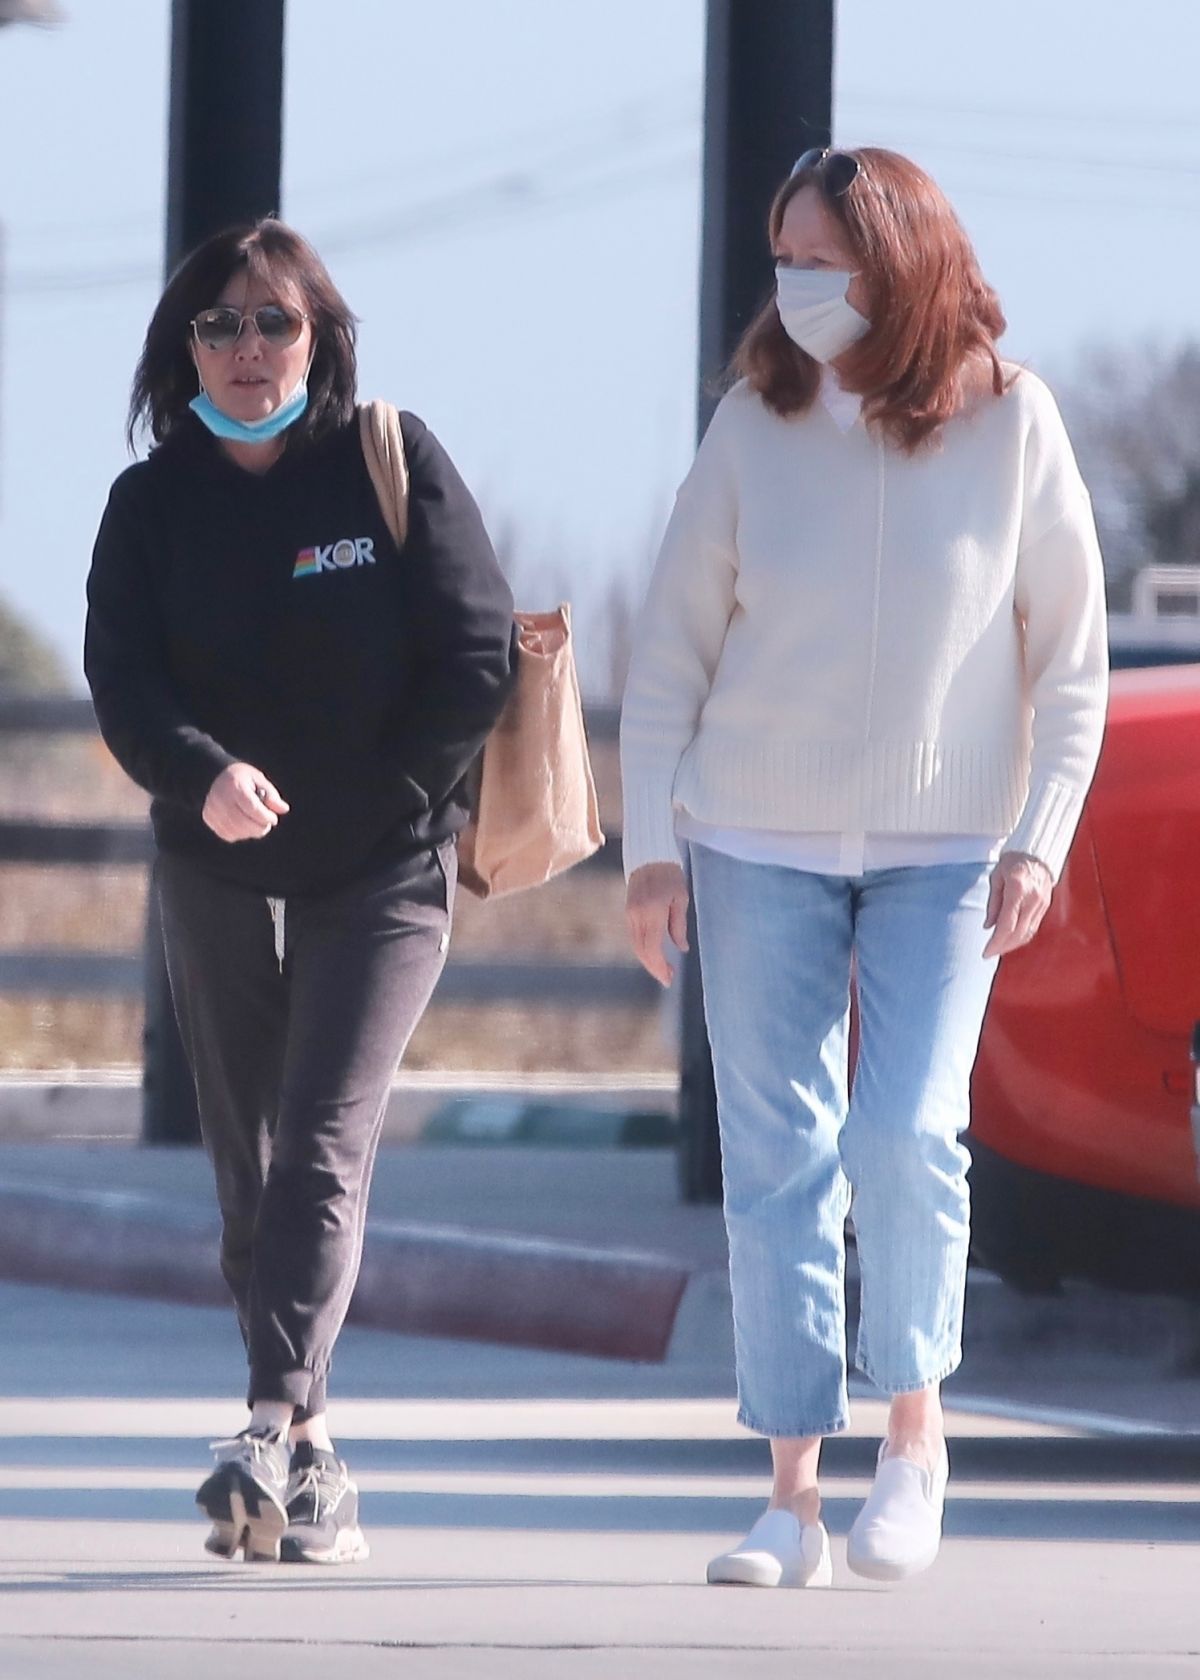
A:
(835, 171)
(220, 328)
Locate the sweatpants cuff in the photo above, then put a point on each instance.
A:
(295, 1387)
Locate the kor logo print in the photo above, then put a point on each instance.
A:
(335, 557)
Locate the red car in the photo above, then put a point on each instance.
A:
(1085, 1110)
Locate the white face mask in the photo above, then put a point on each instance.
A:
(812, 306)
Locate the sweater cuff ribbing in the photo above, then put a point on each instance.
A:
(1047, 825)
(648, 830)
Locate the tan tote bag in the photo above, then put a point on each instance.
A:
(535, 812)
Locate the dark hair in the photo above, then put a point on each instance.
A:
(166, 380)
(933, 314)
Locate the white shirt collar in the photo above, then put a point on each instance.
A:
(845, 407)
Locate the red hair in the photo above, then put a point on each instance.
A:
(933, 315)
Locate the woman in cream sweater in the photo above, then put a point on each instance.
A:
(867, 697)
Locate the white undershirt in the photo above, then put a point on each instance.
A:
(839, 854)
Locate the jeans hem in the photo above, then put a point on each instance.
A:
(799, 1432)
(893, 1389)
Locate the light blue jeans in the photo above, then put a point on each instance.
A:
(775, 947)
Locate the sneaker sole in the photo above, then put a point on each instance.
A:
(749, 1571)
(349, 1547)
(245, 1516)
(224, 1542)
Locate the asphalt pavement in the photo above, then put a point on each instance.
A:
(537, 1513)
(545, 1515)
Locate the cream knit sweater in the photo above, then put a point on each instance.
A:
(839, 636)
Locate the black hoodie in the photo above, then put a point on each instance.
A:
(271, 619)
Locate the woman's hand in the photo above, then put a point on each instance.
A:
(242, 804)
(1019, 898)
(656, 904)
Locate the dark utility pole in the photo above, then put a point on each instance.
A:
(223, 166)
(768, 96)
(226, 117)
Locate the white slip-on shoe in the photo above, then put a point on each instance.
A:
(779, 1551)
(899, 1529)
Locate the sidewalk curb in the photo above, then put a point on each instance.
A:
(454, 1281)
(416, 1279)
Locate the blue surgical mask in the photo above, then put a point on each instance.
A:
(812, 306)
(223, 425)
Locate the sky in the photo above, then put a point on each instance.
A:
(508, 195)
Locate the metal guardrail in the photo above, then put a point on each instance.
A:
(72, 714)
(64, 972)
(133, 842)
(86, 843)
(46, 714)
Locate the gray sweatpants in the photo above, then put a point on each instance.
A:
(294, 1015)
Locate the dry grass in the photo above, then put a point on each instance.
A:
(39, 1034)
(518, 1040)
(65, 1034)
(79, 908)
(578, 917)
(65, 779)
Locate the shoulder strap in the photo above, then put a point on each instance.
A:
(383, 450)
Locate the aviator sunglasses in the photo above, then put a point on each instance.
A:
(220, 328)
(835, 171)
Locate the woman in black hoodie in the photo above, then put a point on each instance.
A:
(303, 700)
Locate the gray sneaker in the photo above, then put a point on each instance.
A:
(246, 1496)
(322, 1508)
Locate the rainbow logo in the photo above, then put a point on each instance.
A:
(306, 563)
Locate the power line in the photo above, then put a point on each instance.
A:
(1073, 203)
(668, 110)
(505, 199)
(49, 281)
(501, 195)
(495, 199)
(672, 106)
(499, 200)
(1110, 116)
(1059, 160)
(521, 190)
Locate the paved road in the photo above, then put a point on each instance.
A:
(543, 1516)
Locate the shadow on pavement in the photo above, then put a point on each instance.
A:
(1129, 1520)
(1121, 1460)
(1147, 1463)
